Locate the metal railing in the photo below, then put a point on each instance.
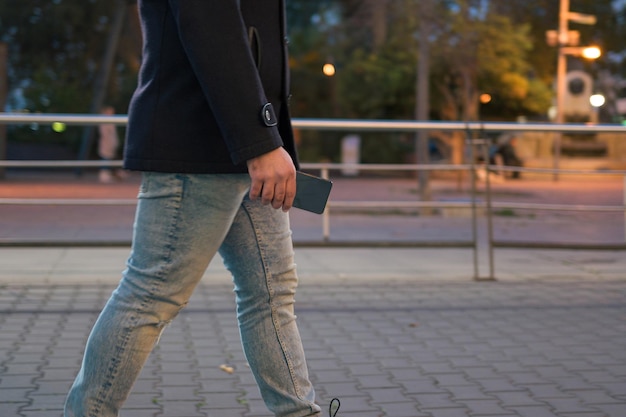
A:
(471, 129)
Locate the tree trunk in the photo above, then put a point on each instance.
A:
(102, 79)
(378, 17)
(422, 100)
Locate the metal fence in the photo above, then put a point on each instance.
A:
(477, 208)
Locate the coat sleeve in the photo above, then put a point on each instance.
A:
(214, 37)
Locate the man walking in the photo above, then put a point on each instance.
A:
(209, 128)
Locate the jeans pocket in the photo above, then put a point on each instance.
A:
(161, 185)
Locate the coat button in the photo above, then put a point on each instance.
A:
(268, 115)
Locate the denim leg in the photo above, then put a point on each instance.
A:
(181, 221)
(259, 253)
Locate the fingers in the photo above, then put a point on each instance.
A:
(256, 187)
(284, 194)
(279, 193)
(273, 179)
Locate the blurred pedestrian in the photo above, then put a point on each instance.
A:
(108, 144)
(506, 155)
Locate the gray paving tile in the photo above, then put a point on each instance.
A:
(45, 402)
(484, 407)
(593, 397)
(448, 412)
(567, 405)
(610, 410)
(14, 408)
(401, 409)
(521, 399)
(535, 411)
(435, 401)
(481, 350)
(467, 392)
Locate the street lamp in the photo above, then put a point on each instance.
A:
(587, 52)
(597, 100)
(564, 40)
(591, 52)
(329, 70)
(485, 98)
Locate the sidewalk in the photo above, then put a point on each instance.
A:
(391, 332)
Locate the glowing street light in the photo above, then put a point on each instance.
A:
(591, 52)
(587, 52)
(329, 70)
(485, 98)
(597, 100)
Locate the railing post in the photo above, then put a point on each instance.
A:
(488, 210)
(473, 179)
(483, 143)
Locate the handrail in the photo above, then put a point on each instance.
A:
(320, 166)
(324, 168)
(340, 124)
(410, 125)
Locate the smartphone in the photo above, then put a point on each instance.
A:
(311, 192)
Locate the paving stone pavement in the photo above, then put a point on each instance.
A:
(391, 332)
(399, 347)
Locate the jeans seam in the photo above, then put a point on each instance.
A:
(173, 229)
(105, 389)
(275, 323)
(170, 245)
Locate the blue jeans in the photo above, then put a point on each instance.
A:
(182, 221)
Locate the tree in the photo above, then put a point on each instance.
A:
(474, 47)
(485, 52)
(311, 34)
(55, 53)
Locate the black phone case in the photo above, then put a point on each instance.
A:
(311, 192)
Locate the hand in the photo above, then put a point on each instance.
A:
(273, 179)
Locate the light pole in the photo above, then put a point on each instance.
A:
(330, 71)
(565, 42)
(422, 101)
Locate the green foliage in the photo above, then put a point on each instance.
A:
(55, 52)
(486, 53)
(385, 148)
(309, 34)
(504, 67)
(375, 85)
(316, 146)
(54, 49)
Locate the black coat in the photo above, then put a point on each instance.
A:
(209, 70)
